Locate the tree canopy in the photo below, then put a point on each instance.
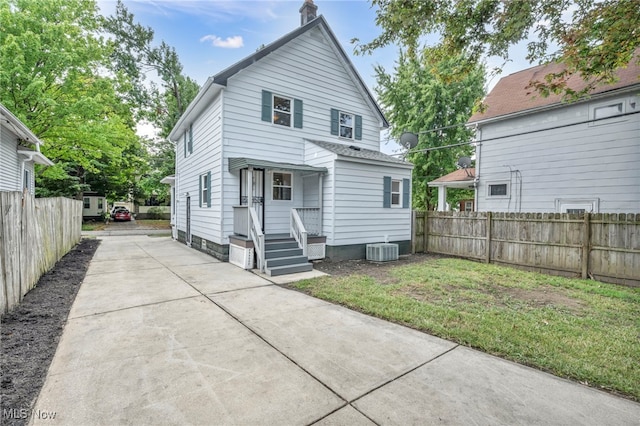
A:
(52, 62)
(77, 80)
(428, 92)
(592, 38)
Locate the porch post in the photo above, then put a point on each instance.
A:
(320, 179)
(442, 198)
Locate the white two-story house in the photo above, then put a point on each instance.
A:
(286, 143)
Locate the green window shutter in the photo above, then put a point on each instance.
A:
(358, 130)
(335, 126)
(405, 194)
(209, 189)
(190, 138)
(185, 144)
(200, 190)
(386, 198)
(297, 113)
(267, 106)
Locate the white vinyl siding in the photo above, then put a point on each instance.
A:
(359, 214)
(572, 162)
(207, 153)
(10, 179)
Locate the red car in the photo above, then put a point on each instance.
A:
(122, 215)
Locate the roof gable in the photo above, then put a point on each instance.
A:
(511, 94)
(221, 79)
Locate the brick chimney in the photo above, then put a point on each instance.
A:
(307, 12)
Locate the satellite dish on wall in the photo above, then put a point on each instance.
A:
(464, 162)
(409, 140)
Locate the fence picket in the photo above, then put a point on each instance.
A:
(34, 234)
(605, 247)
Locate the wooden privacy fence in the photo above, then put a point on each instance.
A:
(605, 247)
(34, 234)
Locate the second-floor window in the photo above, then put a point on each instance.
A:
(281, 110)
(346, 125)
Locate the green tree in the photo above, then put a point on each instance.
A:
(52, 77)
(424, 93)
(135, 55)
(592, 38)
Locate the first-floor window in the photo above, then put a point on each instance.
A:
(100, 205)
(86, 203)
(396, 194)
(282, 186)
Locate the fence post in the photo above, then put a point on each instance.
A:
(425, 240)
(488, 240)
(585, 246)
(414, 233)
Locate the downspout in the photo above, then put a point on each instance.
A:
(476, 181)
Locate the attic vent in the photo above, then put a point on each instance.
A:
(355, 148)
(382, 252)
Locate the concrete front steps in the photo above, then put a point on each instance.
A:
(283, 256)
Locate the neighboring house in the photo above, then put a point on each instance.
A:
(19, 152)
(287, 142)
(93, 205)
(539, 154)
(459, 179)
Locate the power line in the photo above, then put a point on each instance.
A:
(511, 135)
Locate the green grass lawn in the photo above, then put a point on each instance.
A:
(583, 330)
(93, 226)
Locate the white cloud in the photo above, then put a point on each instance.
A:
(233, 42)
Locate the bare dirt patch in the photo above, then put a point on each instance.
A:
(545, 296)
(31, 331)
(378, 270)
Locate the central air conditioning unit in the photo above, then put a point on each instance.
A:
(382, 252)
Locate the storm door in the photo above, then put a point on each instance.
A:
(257, 191)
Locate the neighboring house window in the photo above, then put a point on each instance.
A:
(86, 203)
(498, 190)
(205, 190)
(599, 112)
(468, 206)
(346, 125)
(100, 205)
(26, 184)
(281, 110)
(577, 206)
(396, 193)
(281, 186)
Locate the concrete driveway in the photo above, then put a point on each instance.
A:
(162, 334)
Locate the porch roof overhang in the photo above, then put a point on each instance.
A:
(168, 180)
(461, 178)
(238, 163)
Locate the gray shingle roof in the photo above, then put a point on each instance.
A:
(353, 151)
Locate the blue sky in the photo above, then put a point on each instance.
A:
(210, 35)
